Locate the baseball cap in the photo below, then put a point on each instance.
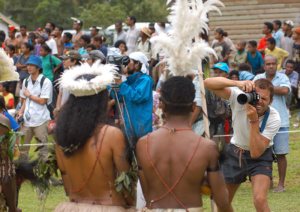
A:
(95, 55)
(44, 35)
(35, 60)
(289, 22)
(221, 66)
(71, 54)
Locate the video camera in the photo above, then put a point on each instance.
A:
(250, 98)
(119, 61)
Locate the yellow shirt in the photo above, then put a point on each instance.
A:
(279, 54)
(9, 99)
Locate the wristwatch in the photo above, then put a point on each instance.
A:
(57, 109)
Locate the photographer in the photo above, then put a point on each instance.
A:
(137, 92)
(249, 153)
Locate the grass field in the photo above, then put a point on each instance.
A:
(281, 202)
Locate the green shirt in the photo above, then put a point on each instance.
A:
(240, 57)
(47, 68)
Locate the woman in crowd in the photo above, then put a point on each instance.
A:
(20, 64)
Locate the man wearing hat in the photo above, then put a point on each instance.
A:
(93, 56)
(70, 59)
(286, 41)
(144, 45)
(137, 92)
(221, 70)
(36, 93)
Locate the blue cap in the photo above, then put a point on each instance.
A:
(221, 66)
(35, 60)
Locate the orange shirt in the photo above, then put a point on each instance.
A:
(263, 44)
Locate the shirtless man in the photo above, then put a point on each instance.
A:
(22, 37)
(175, 157)
(94, 149)
(8, 185)
(58, 39)
(77, 25)
(11, 40)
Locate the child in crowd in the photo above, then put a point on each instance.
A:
(234, 75)
(254, 57)
(241, 55)
(279, 53)
(245, 72)
(90, 47)
(10, 51)
(8, 97)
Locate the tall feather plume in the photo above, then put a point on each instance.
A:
(7, 68)
(180, 53)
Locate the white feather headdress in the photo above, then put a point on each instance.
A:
(72, 81)
(7, 68)
(180, 53)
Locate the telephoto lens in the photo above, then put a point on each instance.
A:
(245, 98)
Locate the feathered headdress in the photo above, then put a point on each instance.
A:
(86, 80)
(7, 68)
(177, 47)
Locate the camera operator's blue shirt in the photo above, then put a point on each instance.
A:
(137, 92)
(280, 80)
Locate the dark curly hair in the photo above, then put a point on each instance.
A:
(178, 94)
(78, 120)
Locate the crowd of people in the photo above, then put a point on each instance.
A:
(66, 78)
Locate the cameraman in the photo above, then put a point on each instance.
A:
(137, 92)
(249, 152)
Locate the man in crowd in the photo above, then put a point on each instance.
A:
(11, 40)
(77, 25)
(41, 40)
(132, 34)
(282, 87)
(249, 152)
(254, 57)
(286, 40)
(279, 53)
(70, 59)
(22, 37)
(51, 42)
(98, 42)
(267, 30)
(293, 77)
(58, 39)
(84, 41)
(137, 92)
(277, 31)
(94, 31)
(36, 93)
(173, 148)
(51, 25)
(67, 39)
(120, 33)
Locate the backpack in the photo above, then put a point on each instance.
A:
(52, 105)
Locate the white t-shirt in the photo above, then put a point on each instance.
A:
(39, 114)
(52, 44)
(240, 123)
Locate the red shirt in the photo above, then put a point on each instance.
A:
(263, 44)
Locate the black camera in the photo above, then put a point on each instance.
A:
(119, 61)
(20, 120)
(250, 98)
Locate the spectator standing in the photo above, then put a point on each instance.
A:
(282, 87)
(49, 62)
(254, 57)
(144, 45)
(58, 39)
(32, 41)
(241, 54)
(67, 40)
(94, 31)
(51, 25)
(11, 40)
(293, 77)
(267, 30)
(221, 48)
(34, 108)
(77, 25)
(22, 37)
(286, 40)
(21, 62)
(51, 42)
(277, 31)
(279, 53)
(120, 33)
(98, 42)
(132, 34)
(41, 40)
(84, 41)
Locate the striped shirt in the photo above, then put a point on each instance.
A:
(132, 36)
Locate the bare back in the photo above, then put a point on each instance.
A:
(13, 42)
(76, 40)
(60, 45)
(99, 187)
(170, 153)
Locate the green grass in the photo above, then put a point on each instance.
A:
(242, 202)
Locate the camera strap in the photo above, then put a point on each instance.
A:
(263, 125)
